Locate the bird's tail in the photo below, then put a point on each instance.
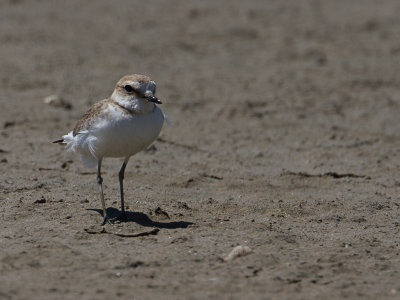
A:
(61, 141)
(65, 139)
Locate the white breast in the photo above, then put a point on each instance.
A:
(125, 135)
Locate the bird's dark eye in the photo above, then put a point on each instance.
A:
(128, 88)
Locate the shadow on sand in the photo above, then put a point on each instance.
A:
(141, 219)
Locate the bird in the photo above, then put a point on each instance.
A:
(120, 126)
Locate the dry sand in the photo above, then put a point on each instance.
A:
(285, 139)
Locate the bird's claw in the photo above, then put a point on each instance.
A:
(107, 220)
(121, 217)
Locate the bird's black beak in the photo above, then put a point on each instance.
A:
(150, 97)
(153, 99)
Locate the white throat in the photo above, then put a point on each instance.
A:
(137, 105)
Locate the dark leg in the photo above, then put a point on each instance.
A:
(100, 183)
(121, 186)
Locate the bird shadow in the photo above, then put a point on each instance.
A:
(141, 219)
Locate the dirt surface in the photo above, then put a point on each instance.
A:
(285, 139)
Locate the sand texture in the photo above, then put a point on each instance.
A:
(285, 140)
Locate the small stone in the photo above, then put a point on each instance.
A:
(41, 200)
(237, 252)
(8, 124)
(162, 213)
(56, 101)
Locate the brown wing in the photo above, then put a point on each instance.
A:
(88, 118)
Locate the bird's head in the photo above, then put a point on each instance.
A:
(135, 88)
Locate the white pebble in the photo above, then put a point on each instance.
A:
(237, 252)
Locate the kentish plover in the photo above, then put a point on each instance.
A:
(120, 126)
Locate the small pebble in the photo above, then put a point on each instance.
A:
(237, 252)
(56, 101)
(41, 200)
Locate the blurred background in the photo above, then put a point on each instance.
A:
(285, 138)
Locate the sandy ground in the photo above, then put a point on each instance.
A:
(285, 139)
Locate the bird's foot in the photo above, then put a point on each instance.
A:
(121, 217)
(107, 220)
